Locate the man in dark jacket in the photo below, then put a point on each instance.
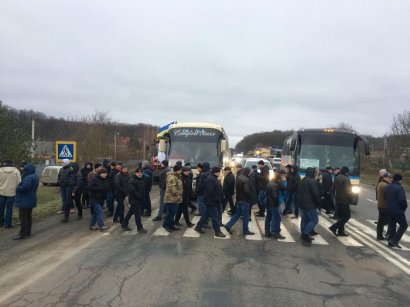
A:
(212, 192)
(75, 188)
(121, 192)
(293, 181)
(274, 198)
(186, 198)
(327, 184)
(264, 180)
(26, 200)
(396, 208)
(243, 199)
(114, 168)
(98, 188)
(63, 180)
(148, 175)
(344, 197)
(136, 190)
(309, 201)
(200, 188)
(228, 188)
(85, 199)
(162, 183)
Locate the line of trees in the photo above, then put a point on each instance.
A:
(95, 135)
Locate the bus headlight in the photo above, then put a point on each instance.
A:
(355, 189)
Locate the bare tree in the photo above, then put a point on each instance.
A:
(345, 126)
(400, 138)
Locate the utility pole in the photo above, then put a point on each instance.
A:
(115, 145)
(32, 137)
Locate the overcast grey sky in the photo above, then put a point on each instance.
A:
(249, 65)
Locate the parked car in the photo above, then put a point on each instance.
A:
(277, 162)
(254, 161)
(50, 175)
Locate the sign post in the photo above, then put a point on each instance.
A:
(66, 150)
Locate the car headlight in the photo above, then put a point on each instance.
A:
(355, 189)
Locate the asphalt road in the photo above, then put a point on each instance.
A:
(68, 265)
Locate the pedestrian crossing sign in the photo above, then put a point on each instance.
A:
(66, 150)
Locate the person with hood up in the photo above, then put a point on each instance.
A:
(200, 187)
(243, 200)
(343, 197)
(212, 192)
(98, 187)
(173, 197)
(85, 200)
(136, 190)
(9, 179)
(293, 181)
(26, 200)
(309, 201)
(63, 180)
(396, 207)
(75, 188)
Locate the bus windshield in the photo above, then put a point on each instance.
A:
(194, 145)
(322, 150)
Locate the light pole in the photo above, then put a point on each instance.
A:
(115, 145)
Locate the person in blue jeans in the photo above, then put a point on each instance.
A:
(275, 193)
(9, 179)
(162, 187)
(243, 199)
(213, 199)
(98, 188)
(309, 202)
(263, 180)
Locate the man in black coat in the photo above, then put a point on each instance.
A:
(212, 198)
(162, 183)
(136, 190)
(264, 180)
(121, 192)
(243, 199)
(343, 197)
(63, 180)
(309, 202)
(228, 189)
(74, 191)
(98, 188)
(327, 184)
(186, 198)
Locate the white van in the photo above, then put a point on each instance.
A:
(50, 175)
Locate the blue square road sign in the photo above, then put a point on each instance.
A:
(66, 150)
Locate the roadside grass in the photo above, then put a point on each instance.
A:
(48, 203)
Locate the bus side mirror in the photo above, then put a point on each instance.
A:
(224, 146)
(162, 146)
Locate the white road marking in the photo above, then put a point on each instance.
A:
(372, 201)
(254, 228)
(161, 232)
(405, 238)
(318, 239)
(380, 248)
(190, 232)
(348, 241)
(284, 232)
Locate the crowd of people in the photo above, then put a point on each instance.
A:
(283, 194)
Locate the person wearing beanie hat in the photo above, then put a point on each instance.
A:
(98, 188)
(63, 180)
(172, 198)
(343, 197)
(162, 187)
(212, 195)
(228, 189)
(396, 208)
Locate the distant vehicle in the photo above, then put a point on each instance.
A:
(50, 175)
(254, 161)
(277, 162)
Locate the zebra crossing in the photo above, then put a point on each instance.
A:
(290, 229)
